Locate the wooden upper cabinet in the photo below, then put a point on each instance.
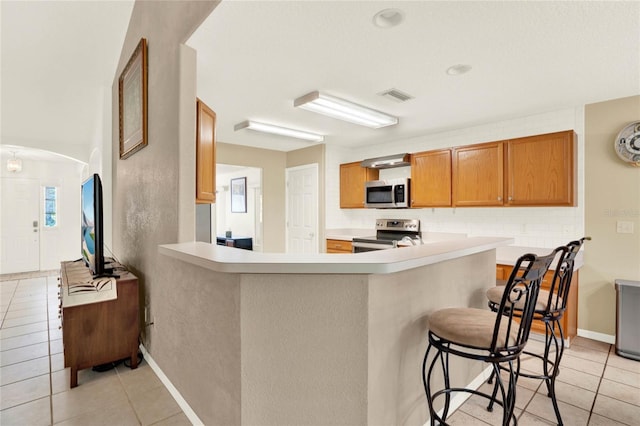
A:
(541, 170)
(205, 154)
(352, 179)
(431, 179)
(478, 175)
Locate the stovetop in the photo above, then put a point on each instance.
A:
(390, 230)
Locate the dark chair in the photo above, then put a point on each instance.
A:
(483, 335)
(549, 308)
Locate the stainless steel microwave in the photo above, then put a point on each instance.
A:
(387, 194)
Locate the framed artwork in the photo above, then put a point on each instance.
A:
(239, 195)
(132, 94)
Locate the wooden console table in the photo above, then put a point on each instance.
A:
(95, 331)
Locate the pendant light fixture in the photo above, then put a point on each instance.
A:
(14, 165)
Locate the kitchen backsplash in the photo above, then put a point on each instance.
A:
(529, 226)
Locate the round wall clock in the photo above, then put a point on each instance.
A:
(627, 144)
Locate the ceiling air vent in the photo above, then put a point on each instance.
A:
(396, 95)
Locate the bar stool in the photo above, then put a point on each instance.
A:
(549, 309)
(483, 335)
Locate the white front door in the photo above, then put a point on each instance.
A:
(302, 209)
(20, 225)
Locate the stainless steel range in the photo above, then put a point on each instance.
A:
(389, 232)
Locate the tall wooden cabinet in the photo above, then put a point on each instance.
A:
(540, 170)
(478, 178)
(431, 179)
(205, 154)
(352, 179)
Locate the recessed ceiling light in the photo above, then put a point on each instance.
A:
(388, 18)
(458, 69)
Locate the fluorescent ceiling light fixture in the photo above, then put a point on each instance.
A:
(344, 110)
(278, 130)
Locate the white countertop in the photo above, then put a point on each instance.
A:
(508, 255)
(231, 260)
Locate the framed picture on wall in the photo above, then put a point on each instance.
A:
(132, 94)
(239, 195)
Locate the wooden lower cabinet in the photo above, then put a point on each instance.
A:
(569, 321)
(338, 246)
(102, 332)
(503, 271)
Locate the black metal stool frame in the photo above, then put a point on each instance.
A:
(514, 337)
(550, 316)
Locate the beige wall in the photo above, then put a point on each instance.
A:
(612, 193)
(273, 165)
(145, 186)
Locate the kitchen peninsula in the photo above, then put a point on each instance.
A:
(314, 338)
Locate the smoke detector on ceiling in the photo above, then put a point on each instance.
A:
(388, 18)
(396, 95)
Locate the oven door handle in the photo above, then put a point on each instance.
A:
(373, 245)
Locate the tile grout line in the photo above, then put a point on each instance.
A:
(593, 404)
(50, 363)
(4, 316)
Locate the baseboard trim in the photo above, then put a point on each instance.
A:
(600, 337)
(182, 403)
(461, 397)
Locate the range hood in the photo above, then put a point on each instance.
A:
(387, 162)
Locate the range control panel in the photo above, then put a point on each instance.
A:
(412, 225)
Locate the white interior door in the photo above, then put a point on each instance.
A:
(20, 225)
(302, 209)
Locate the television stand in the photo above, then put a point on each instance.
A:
(97, 328)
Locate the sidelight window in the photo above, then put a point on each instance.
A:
(50, 206)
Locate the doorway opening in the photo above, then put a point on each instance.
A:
(239, 222)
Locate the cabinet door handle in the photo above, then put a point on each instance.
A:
(510, 198)
(499, 198)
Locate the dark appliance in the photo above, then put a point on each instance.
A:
(245, 243)
(389, 232)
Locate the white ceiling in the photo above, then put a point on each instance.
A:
(528, 57)
(59, 59)
(254, 58)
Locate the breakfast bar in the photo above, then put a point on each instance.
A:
(325, 339)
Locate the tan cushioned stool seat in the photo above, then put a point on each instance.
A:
(469, 326)
(494, 294)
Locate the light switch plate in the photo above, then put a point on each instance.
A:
(624, 227)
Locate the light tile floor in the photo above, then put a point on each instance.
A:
(595, 386)
(34, 385)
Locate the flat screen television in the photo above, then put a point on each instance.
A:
(92, 226)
